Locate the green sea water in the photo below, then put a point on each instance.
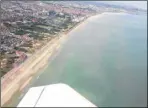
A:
(105, 61)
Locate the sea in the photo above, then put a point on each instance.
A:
(105, 60)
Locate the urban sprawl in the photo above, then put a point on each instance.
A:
(26, 26)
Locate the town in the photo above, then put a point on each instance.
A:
(27, 26)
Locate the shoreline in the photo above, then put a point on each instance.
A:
(25, 72)
(35, 63)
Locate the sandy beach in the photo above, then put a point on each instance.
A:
(23, 75)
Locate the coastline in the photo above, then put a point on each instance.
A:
(107, 13)
(38, 61)
(23, 75)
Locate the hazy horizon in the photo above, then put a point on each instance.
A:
(138, 4)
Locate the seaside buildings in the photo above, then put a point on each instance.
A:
(25, 26)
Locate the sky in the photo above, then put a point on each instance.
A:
(138, 4)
